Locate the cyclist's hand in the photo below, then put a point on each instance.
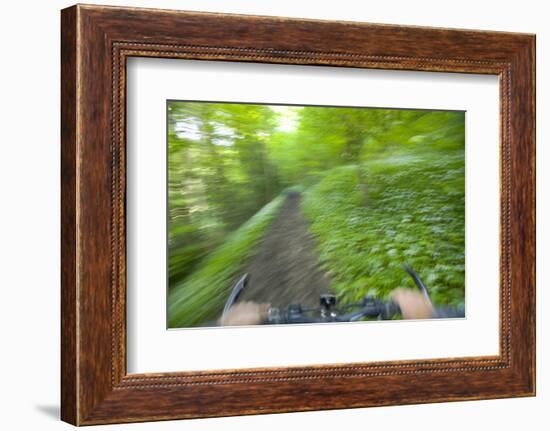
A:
(245, 313)
(413, 304)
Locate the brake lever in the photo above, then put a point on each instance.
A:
(418, 281)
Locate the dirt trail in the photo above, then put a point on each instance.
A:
(285, 270)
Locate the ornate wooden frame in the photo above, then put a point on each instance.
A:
(95, 43)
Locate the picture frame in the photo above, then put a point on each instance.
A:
(96, 42)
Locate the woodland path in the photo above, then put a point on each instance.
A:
(285, 270)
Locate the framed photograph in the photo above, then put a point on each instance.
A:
(264, 214)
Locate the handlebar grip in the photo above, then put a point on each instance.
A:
(390, 309)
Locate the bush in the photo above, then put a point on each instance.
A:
(202, 295)
(413, 213)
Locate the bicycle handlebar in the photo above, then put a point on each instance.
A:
(370, 307)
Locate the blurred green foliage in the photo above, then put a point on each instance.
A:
(381, 187)
(202, 295)
(219, 176)
(414, 214)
